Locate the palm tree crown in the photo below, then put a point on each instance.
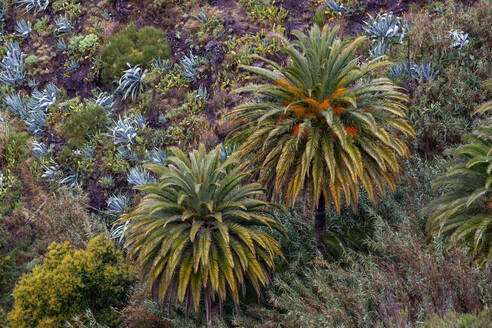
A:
(322, 123)
(464, 212)
(199, 232)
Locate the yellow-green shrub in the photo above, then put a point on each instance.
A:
(69, 282)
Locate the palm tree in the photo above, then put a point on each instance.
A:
(322, 124)
(464, 212)
(200, 233)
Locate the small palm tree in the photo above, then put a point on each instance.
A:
(322, 125)
(464, 212)
(200, 233)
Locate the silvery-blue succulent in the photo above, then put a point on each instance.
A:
(39, 149)
(156, 156)
(379, 49)
(190, 65)
(15, 104)
(13, 65)
(131, 82)
(117, 204)
(139, 176)
(123, 131)
(23, 28)
(36, 122)
(385, 27)
(36, 5)
(63, 25)
(459, 39)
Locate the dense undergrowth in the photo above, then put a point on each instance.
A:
(92, 92)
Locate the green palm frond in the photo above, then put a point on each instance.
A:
(464, 213)
(322, 123)
(199, 233)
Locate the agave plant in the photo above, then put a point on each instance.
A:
(36, 122)
(73, 66)
(106, 181)
(384, 27)
(32, 83)
(139, 176)
(127, 154)
(335, 7)
(463, 214)
(202, 93)
(44, 99)
(131, 82)
(23, 28)
(50, 172)
(63, 25)
(87, 151)
(70, 180)
(424, 72)
(157, 156)
(459, 39)
(15, 105)
(124, 131)
(190, 66)
(36, 5)
(160, 63)
(104, 99)
(138, 121)
(117, 204)
(226, 151)
(39, 149)
(379, 49)
(199, 233)
(398, 70)
(321, 127)
(12, 65)
(62, 45)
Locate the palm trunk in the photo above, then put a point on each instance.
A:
(320, 221)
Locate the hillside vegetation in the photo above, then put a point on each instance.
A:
(245, 163)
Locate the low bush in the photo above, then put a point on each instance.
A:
(69, 282)
(134, 47)
(85, 120)
(457, 320)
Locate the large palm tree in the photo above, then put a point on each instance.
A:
(464, 212)
(322, 124)
(200, 233)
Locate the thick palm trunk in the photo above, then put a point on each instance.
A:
(320, 221)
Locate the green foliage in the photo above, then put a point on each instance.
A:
(69, 282)
(134, 47)
(441, 110)
(400, 282)
(458, 320)
(85, 120)
(200, 233)
(264, 12)
(187, 121)
(320, 123)
(464, 212)
(83, 46)
(4, 267)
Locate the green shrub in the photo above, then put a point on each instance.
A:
(134, 47)
(69, 282)
(85, 120)
(459, 320)
(83, 46)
